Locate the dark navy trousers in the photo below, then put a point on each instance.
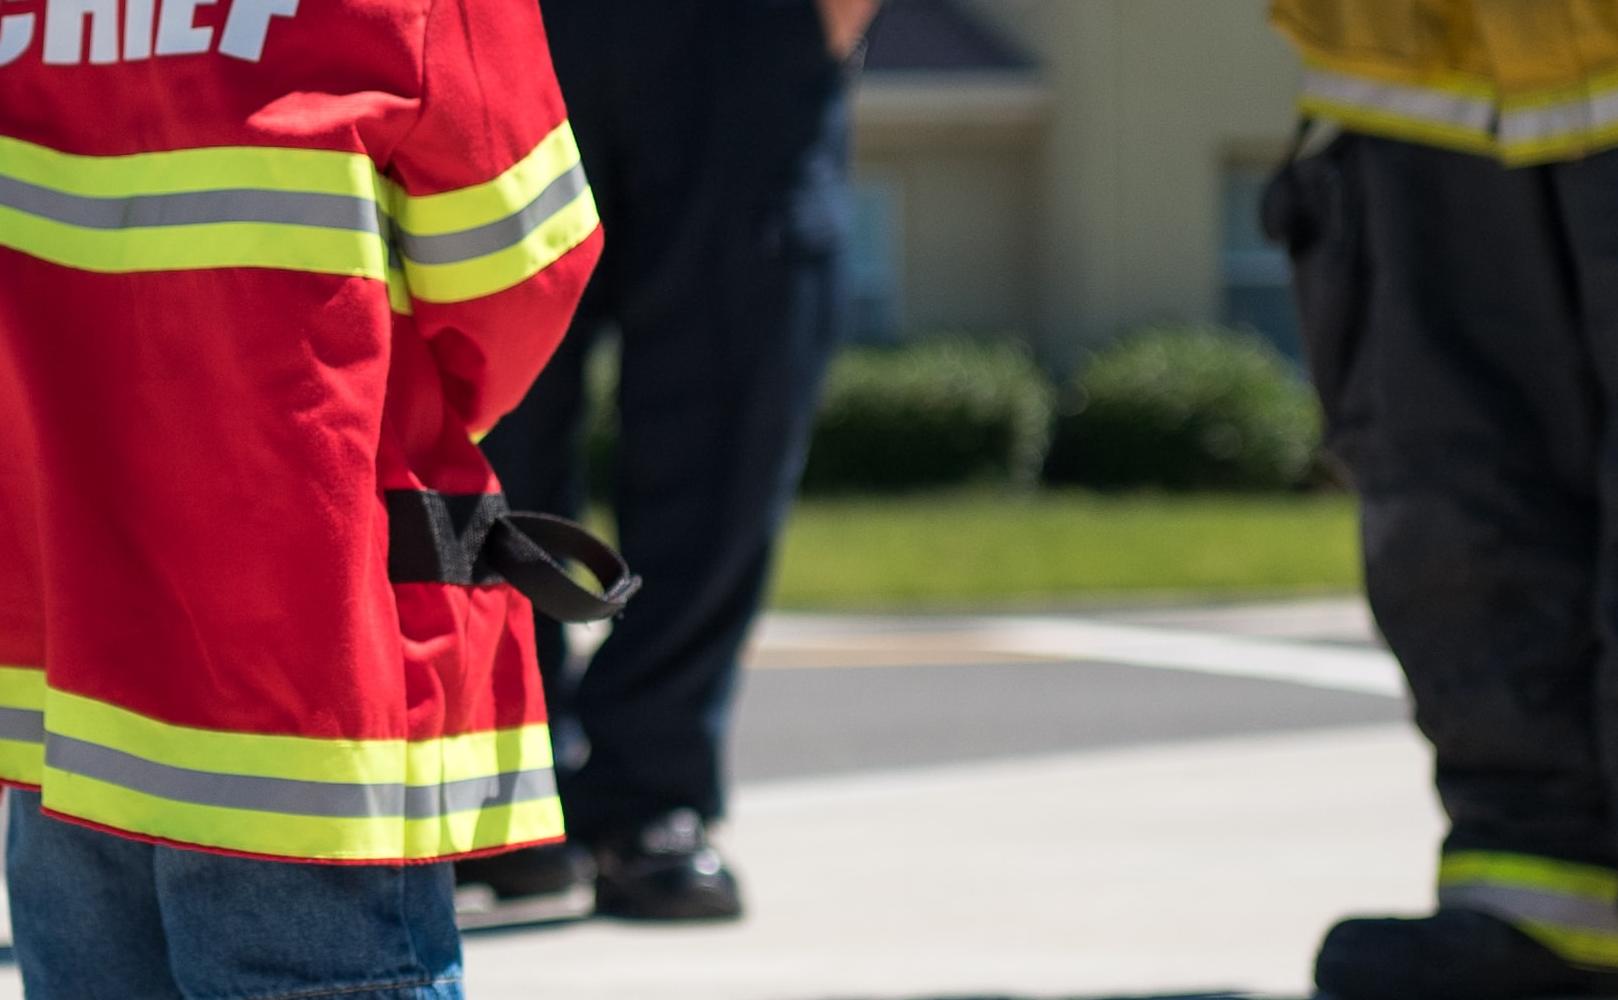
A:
(715, 136)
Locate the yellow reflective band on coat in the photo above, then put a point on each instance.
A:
(22, 724)
(300, 837)
(1570, 908)
(283, 796)
(317, 211)
(1467, 115)
(266, 207)
(225, 168)
(399, 294)
(480, 240)
(1563, 124)
(1453, 118)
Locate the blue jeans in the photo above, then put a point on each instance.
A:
(99, 917)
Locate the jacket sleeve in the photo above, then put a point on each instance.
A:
(492, 225)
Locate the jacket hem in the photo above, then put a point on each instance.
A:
(225, 852)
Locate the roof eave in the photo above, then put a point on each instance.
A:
(997, 99)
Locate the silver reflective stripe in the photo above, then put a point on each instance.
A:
(1538, 906)
(22, 725)
(470, 244)
(423, 801)
(1604, 109)
(299, 798)
(1413, 103)
(389, 231)
(1555, 121)
(292, 208)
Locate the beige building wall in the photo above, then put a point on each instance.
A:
(1118, 185)
(966, 211)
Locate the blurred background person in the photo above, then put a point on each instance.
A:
(1456, 249)
(715, 133)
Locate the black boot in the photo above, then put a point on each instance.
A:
(1451, 955)
(665, 870)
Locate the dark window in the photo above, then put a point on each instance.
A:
(1257, 277)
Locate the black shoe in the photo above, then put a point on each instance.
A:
(535, 885)
(665, 870)
(1451, 955)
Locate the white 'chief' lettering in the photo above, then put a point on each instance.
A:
(140, 18)
(64, 31)
(177, 31)
(16, 35)
(249, 26)
(150, 27)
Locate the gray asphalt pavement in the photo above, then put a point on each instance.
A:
(808, 722)
(1169, 804)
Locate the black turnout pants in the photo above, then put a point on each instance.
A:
(714, 134)
(1462, 321)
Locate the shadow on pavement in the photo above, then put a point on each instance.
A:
(525, 929)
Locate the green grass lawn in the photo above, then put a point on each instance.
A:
(985, 550)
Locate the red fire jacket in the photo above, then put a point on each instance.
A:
(265, 268)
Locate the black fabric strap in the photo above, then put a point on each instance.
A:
(530, 551)
(434, 537)
(475, 540)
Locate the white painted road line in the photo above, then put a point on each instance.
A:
(1358, 669)
(1336, 668)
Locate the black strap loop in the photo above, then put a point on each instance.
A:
(530, 550)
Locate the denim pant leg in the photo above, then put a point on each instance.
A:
(85, 918)
(98, 916)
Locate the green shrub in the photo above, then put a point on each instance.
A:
(1184, 409)
(932, 413)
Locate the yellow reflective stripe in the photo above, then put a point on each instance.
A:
(477, 755)
(21, 761)
(1526, 871)
(1429, 110)
(399, 292)
(1587, 89)
(293, 757)
(1580, 120)
(1590, 948)
(266, 168)
(480, 240)
(315, 838)
(1378, 122)
(195, 247)
(296, 797)
(264, 207)
(1451, 82)
(471, 207)
(1562, 147)
(1570, 908)
(1467, 116)
(298, 758)
(496, 272)
(22, 687)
